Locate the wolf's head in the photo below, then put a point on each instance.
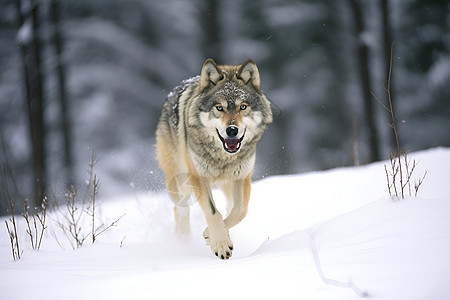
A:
(232, 105)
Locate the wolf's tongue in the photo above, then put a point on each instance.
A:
(231, 144)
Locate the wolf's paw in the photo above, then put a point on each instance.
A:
(222, 249)
(221, 244)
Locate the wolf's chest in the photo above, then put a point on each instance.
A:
(226, 167)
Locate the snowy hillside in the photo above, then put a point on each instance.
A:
(304, 236)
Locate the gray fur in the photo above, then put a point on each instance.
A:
(204, 147)
(193, 139)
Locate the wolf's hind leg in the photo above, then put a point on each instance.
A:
(181, 220)
(180, 197)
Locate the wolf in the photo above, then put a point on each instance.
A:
(207, 135)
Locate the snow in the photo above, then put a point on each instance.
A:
(302, 232)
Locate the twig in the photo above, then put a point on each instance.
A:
(14, 241)
(73, 218)
(121, 242)
(13, 237)
(94, 194)
(37, 232)
(99, 230)
(409, 172)
(91, 174)
(27, 220)
(398, 165)
(78, 209)
(42, 219)
(417, 185)
(394, 169)
(387, 180)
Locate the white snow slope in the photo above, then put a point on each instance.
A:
(304, 235)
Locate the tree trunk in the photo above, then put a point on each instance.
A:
(211, 39)
(363, 62)
(30, 47)
(57, 41)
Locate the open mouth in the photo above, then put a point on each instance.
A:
(231, 145)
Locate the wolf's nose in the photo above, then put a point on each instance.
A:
(232, 131)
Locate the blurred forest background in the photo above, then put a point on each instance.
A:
(80, 75)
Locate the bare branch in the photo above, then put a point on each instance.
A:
(42, 219)
(80, 209)
(417, 185)
(94, 194)
(387, 180)
(27, 220)
(113, 224)
(398, 158)
(14, 238)
(380, 102)
(121, 242)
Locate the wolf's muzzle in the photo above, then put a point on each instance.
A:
(231, 144)
(232, 131)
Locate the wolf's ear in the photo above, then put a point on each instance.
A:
(210, 74)
(249, 73)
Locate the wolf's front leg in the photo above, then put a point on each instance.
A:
(241, 196)
(216, 233)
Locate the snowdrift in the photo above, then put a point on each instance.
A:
(305, 237)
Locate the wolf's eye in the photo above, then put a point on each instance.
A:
(219, 107)
(243, 106)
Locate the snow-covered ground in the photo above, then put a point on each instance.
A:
(304, 236)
